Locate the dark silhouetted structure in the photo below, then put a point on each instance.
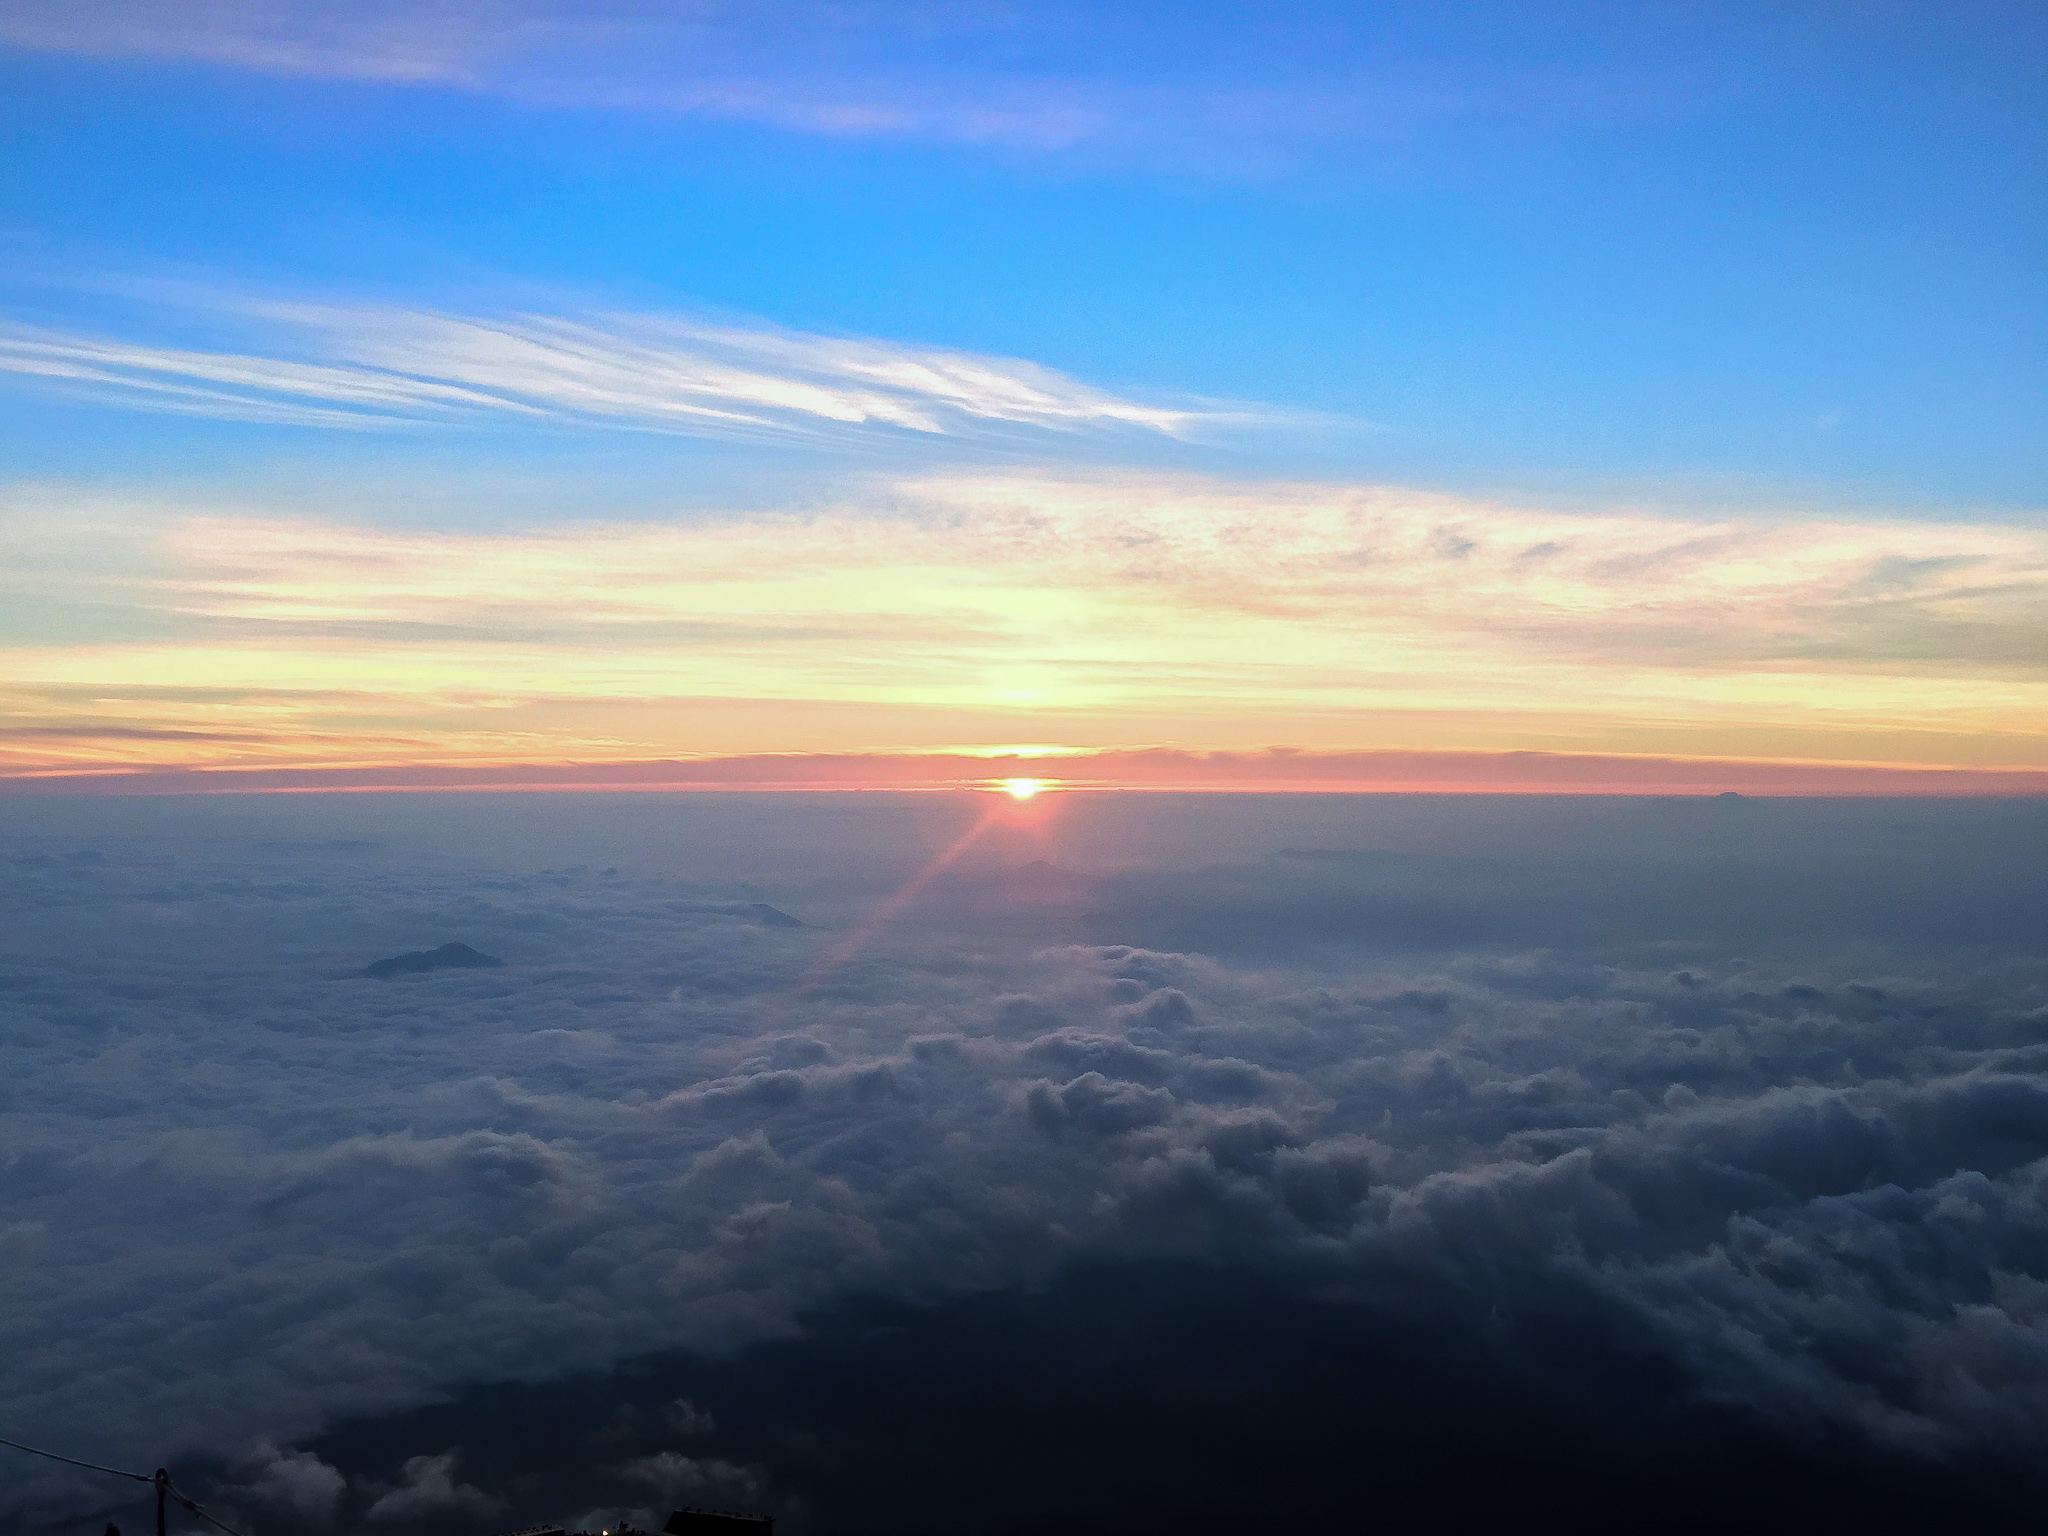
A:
(717, 1522)
(684, 1522)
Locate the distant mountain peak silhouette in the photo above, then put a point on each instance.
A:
(447, 957)
(769, 917)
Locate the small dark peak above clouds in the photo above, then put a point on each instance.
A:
(769, 917)
(1731, 794)
(756, 912)
(414, 962)
(1338, 855)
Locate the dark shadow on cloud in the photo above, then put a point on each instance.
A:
(1185, 1399)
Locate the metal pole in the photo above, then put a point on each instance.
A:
(163, 1485)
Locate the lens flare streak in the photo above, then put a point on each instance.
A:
(864, 934)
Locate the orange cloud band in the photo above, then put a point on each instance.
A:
(1153, 769)
(1409, 640)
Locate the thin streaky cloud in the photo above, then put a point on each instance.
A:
(225, 384)
(423, 45)
(324, 364)
(902, 71)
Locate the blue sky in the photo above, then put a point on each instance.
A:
(1719, 254)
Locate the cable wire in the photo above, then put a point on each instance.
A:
(162, 1481)
(179, 1494)
(91, 1466)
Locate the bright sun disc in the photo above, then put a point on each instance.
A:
(1020, 789)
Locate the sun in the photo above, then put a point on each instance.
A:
(1020, 789)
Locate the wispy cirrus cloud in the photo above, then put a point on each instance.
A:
(370, 365)
(235, 386)
(1048, 77)
(439, 43)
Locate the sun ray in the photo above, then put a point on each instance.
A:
(864, 933)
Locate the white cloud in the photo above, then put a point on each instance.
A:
(686, 1418)
(234, 387)
(294, 1482)
(428, 1488)
(673, 1478)
(364, 365)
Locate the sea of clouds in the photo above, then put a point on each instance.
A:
(250, 1192)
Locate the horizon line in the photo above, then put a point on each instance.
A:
(1152, 770)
